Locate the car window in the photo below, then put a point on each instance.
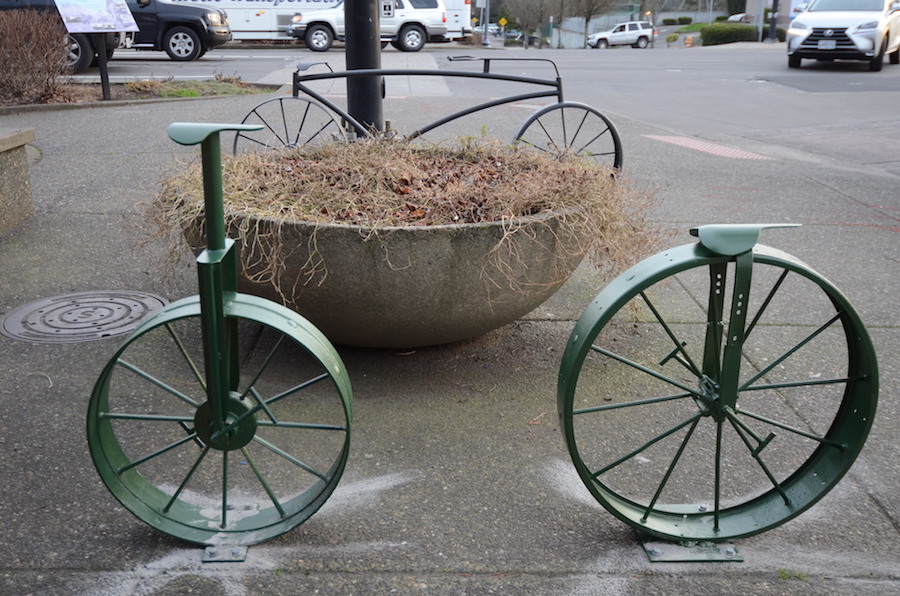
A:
(645, 25)
(822, 5)
(424, 3)
(632, 27)
(619, 29)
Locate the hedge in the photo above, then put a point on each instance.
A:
(719, 33)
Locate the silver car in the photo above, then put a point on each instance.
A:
(846, 30)
(637, 34)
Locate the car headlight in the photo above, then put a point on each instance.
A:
(214, 18)
(795, 24)
(297, 18)
(869, 25)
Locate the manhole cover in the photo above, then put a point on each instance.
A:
(80, 317)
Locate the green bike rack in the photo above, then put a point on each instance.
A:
(224, 419)
(716, 390)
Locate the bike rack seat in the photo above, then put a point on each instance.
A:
(193, 133)
(732, 239)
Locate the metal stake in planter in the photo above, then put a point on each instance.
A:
(225, 418)
(716, 390)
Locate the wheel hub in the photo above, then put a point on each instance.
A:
(235, 438)
(707, 399)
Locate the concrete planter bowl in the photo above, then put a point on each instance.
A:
(410, 286)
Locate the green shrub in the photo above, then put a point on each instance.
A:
(669, 21)
(719, 33)
(685, 20)
(671, 38)
(721, 18)
(32, 56)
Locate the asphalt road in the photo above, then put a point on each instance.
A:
(738, 93)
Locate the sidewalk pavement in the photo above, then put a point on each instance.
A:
(458, 479)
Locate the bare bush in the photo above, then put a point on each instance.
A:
(32, 56)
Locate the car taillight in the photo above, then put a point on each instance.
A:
(444, 17)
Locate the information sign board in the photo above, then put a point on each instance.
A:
(96, 16)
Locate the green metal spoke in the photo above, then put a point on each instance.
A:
(638, 402)
(679, 345)
(791, 429)
(264, 403)
(187, 357)
(165, 449)
(305, 425)
(790, 352)
(184, 482)
(788, 384)
(153, 380)
(645, 446)
(754, 452)
(296, 388)
(289, 457)
(646, 370)
(671, 469)
(765, 304)
(263, 366)
(263, 482)
(144, 417)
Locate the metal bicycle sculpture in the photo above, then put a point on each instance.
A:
(224, 418)
(717, 389)
(557, 128)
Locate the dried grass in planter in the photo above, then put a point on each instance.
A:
(382, 184)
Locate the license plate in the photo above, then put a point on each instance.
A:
(827, 44)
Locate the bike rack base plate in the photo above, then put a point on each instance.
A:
(660, 551)
(222, 553)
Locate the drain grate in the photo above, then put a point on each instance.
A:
(79, 317)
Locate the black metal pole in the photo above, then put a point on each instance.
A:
(773, 25)
(100, 47)
(363, 50)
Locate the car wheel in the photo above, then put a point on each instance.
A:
(602, 44)
(794, 61)
(319, 38)
(876, 63)
(411, 39)
(182, 44)
(79, 52)
(895, 56)
(642, 43)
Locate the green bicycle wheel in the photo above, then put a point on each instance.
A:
(154, 442)
(641, 398)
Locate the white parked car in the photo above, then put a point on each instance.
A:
(846, 30)
(407, 27)
(637, 34)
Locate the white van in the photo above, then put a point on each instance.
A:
(459, 19)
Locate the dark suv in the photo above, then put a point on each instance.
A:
(184, 32)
